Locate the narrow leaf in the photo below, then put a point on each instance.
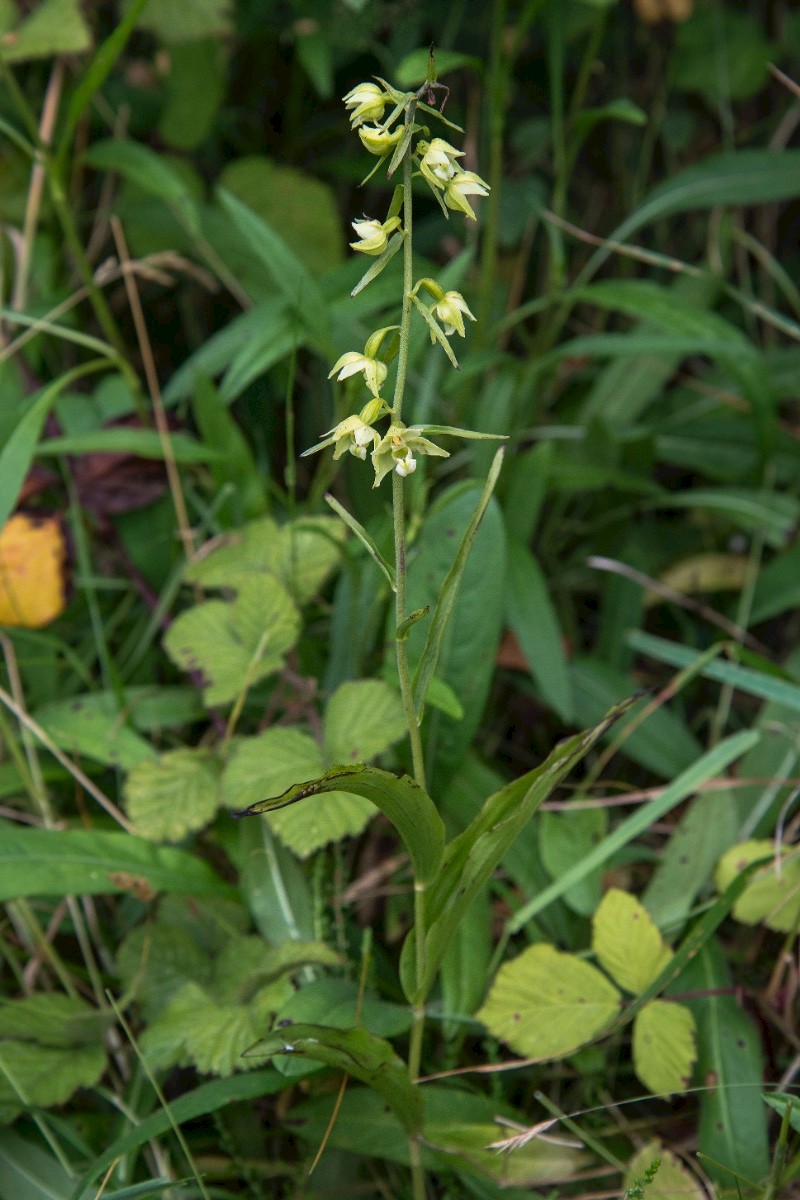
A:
(383, 260)
(365, 538)
(437, 333)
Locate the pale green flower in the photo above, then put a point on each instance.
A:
(438, 161)
(379, 141)
(397, 448)
(463, 184)
(353, 434)
(352, 362)
(373, 234)
(451, 310)
(367, 102)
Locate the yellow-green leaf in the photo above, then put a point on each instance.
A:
(546, 1004)
(672, 1181)
(664, 1049)
(44, 1075)
(233, 645)
(627, 941)
(773, 895)
(363, 718)
(170, 798)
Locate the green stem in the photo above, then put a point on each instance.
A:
(498, 85)
(401, 642)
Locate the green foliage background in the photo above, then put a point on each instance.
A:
(635, 274)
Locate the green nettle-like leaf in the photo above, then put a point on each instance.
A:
(31, 1074)
(672, 1181)
(773, 895)
(155, 960)
(198, 1027)
(93, 727)
(234, 644)
(54, 27)
(301, 554)
(51, 1019)
(404, 802)
(545, 1004)
(275, 761)
(363, 718)
(627, 941)
(174, 796)
(664, 1046)
(362, 1055)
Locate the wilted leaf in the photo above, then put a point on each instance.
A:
(233, 645)
(627, 941)
(33, 560)
(170, 798)
(664, 1047)
(773, 895)
(546, 1004)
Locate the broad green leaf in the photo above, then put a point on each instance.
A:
(664, 1051)
(289, 275)
(404, 802)
(28, 1172)
(627, 942)
(471, 858)
(199, 1102)
(74, 862)
(545, 1004)
(233, 645)
(772, 896)
(31, 1074)
(151, 172)
(722, 54)
(707, 767)
(673, 1181)
(302, 210)
(54, 27)
(564, 838)
(275, 761)
(196, 89)
(174, 796)
(362, 1055)
(733, 1125)
(274, 886)
(362, 719)
(52, 1019)
(247, 964)
(84, 726)
(533, 619)
(187, 20)
(301, 554)
(465, 965)
(468, 648)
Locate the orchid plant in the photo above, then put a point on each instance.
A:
(447, 878)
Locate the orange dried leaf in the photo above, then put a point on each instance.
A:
(32, 571)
